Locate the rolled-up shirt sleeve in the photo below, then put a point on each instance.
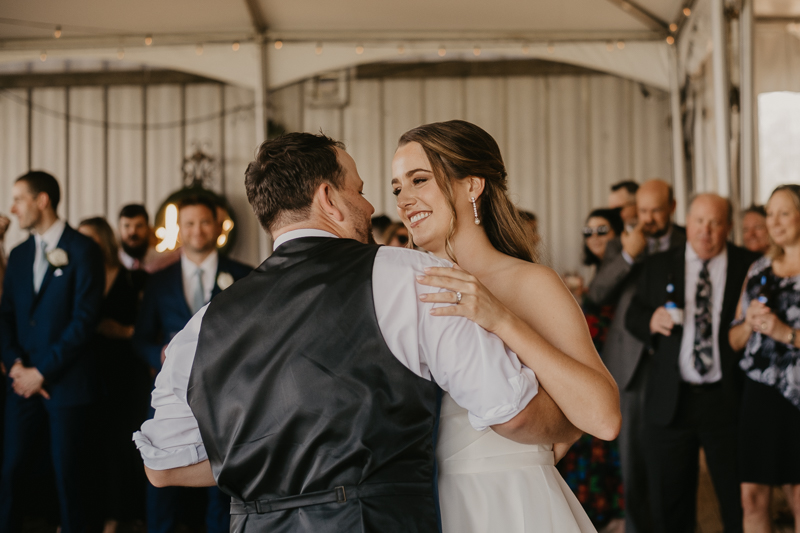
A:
(171, 439)
(481, 374)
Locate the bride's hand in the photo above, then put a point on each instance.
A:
(476, 304)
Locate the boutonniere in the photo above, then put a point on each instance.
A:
(58, 258)
(224, 280)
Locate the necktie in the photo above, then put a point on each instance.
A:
(703, 339)
(41, 268)
(199, 298)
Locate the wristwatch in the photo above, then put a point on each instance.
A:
(792, 336)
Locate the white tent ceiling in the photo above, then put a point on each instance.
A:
(197, 35)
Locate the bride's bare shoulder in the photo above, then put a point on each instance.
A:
(533, 274)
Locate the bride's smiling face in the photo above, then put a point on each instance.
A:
(420, 203)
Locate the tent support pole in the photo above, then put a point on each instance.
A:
(678, 159)
(746, 92)
(721, 92)
(262, 120)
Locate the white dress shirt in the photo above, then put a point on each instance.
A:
(50, 239)
(474, 366)
(189, 271)
(717, 270)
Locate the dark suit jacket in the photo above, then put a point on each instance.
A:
(164, 311)
(663, 385)
(615, 283)
(53, 330)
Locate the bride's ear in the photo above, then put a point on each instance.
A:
(476, 186)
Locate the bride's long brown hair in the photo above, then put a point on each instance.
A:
(457, 150)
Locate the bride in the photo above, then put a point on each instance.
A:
(450, 183)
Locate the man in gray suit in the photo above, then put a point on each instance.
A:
(615, 283)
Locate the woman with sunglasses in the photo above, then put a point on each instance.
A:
(396, 235)
(591, 468)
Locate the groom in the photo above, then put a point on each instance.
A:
(309, 391)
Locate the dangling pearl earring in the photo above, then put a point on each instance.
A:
(475, 210)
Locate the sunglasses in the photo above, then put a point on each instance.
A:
(402, 239)
(600, 230)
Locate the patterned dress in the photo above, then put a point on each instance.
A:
(591, 468)
(767, 361)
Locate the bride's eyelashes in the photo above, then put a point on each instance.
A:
(415, 181)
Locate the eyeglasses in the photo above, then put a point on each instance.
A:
(402, 239)
(600, 230)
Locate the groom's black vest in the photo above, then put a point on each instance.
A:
(309, 421)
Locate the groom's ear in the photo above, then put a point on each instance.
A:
(328, 200)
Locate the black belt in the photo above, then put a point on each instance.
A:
(340, 494)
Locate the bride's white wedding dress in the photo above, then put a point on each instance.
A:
(488, 483)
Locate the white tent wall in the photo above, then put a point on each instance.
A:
(776, 67)
(565, 139)
(141, 167)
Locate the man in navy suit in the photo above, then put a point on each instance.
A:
(171, 297)
(51, 300)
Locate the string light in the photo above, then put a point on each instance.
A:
(551, 48)
(43, 55)
(120, 53)
(526, 49)
(318, 49)
(687, 11)
(673, 27)
(442, 51)
(360, 49)
(620, 44)
(278, 44)
(476, 51)
(148, 40)
(670, 39)
(199, 49)
(57, 33)
(610, 46)
(401, 49)
(235, 46)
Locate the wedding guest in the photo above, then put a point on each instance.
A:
(591, 468)
(396, 235)
(52, 294)
(171, 297)
(623, 197)
(766, 325)
(380, 223)
(533, 224)
(755, 236)
(4, 223)
(125, 383)
(614, 284)
(685, 301)
(137, 251)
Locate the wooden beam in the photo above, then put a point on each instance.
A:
(462, 69)
(256, 16)
(102, 78)
(642, 15)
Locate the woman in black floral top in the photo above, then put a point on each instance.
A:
(767, 324)
(591, 468)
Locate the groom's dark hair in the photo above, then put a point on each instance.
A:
(286, 173)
